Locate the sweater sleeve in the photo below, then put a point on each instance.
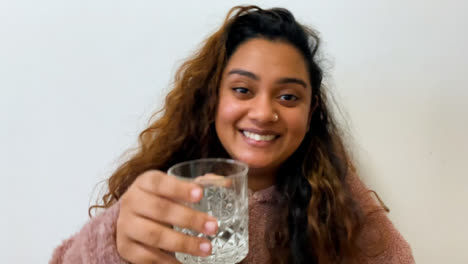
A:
(378, 228)
(93, 244)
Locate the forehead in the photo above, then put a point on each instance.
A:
(269, 59)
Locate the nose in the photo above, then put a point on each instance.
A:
(262, 110)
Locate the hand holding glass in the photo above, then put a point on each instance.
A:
(225, 197)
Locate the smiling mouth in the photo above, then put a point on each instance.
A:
(258, 137)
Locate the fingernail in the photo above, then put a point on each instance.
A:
(195, 193)
(205, 247)
(210, 227)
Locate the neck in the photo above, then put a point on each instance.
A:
(260, 178)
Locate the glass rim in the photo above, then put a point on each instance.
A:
(244, 166)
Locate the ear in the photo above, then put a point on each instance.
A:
(315, 101)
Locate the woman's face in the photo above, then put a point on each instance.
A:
(264, 104)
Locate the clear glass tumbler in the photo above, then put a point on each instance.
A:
(225, 196)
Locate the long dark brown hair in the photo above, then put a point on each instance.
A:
(323, 220)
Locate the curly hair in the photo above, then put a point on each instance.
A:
(323, 219)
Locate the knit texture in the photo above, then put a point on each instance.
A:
(95, 243)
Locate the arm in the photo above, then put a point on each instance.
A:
(94, 243)
(377, 226)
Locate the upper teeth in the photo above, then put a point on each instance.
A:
(258, 137)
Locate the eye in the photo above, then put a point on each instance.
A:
(289, 97)
(242, 90)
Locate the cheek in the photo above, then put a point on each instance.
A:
(298, 124)
(228, 111)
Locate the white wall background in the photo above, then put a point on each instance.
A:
(79, 79)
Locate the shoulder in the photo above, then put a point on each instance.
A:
(377, 228)
(367, 199)
(94, 243)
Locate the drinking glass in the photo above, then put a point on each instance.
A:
(225, 196)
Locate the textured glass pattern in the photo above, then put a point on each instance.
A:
(224, 197)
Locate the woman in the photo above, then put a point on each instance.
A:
(253, 93)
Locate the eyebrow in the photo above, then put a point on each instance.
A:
(292, 80)
(248, 74)
(253, 76)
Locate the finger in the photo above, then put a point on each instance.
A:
(213, 179)
(140, 253)
(170, 212)
(155, 235)
(169, 186)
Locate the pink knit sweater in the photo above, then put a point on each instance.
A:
(95, 242)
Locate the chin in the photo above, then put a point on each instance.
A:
(256, 163)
